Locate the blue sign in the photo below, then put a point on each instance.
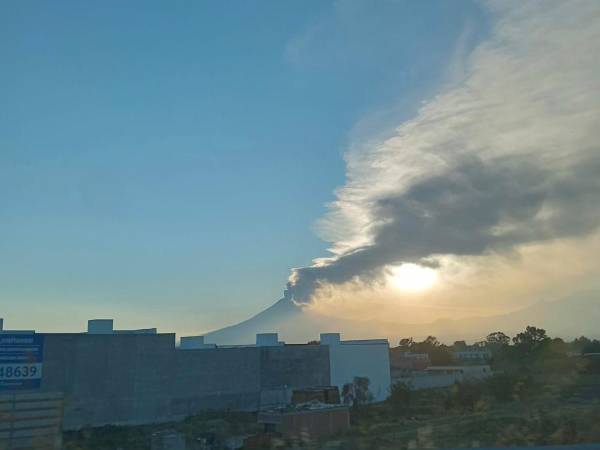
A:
(21, 357)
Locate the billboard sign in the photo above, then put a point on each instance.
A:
(21, 358)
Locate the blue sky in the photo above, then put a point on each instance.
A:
(164, 162)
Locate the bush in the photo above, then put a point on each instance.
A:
(502, 386)
(400, 397)
(465, 395)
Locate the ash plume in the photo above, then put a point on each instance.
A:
(509, 156)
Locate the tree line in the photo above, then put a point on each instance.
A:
(531, 342)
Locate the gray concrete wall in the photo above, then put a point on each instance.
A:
(110, 379)
(294, 366)
(138, 379)
(227, 378)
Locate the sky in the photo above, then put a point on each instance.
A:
(169, 164)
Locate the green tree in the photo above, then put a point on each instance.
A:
(406, 344)
(459, 346)
(592, 347)
(531, 340)
(431, 340)
(439, 354)
(579, 344)
(362, 394)
(497, 339)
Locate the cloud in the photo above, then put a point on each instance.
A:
(509, 157)
(467, 286)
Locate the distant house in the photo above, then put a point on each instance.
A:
(402, 364)
(409, 360)
(472, 355)
(444, 376)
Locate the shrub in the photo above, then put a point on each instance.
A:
(400, 397)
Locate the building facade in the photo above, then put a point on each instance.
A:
(136, 377)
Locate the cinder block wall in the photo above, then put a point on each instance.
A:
(138, 379)
(218, 379)
(110, 379)
(294, 366)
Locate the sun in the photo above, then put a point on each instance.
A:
(412, 277)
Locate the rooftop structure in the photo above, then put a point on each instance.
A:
(2, 330)
(105, 326)
(194, 343)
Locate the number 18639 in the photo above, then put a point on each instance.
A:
(20, 371)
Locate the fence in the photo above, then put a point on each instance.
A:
(31, 421)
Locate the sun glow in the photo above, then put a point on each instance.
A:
(412, 277)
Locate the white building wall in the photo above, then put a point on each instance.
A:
(444, 376)
(364, 358)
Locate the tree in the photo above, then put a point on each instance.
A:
(531, 339)
(459, 345)
(580, 343)
(497, 339)
(439, 354)
(431, 340)
(592, 347)
(362, 394)
(406, 344)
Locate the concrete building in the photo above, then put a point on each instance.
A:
(359, 358)
(472, 355)
(444, 376)
(133, 377)
(194, 343)
(403, 364)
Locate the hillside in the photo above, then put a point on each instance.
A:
(571, 317)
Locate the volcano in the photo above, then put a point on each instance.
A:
(300, 324)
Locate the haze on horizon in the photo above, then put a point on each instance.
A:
(412, 162)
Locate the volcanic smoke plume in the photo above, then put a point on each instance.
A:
(506, 157)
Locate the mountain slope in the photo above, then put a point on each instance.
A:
(575, 316)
